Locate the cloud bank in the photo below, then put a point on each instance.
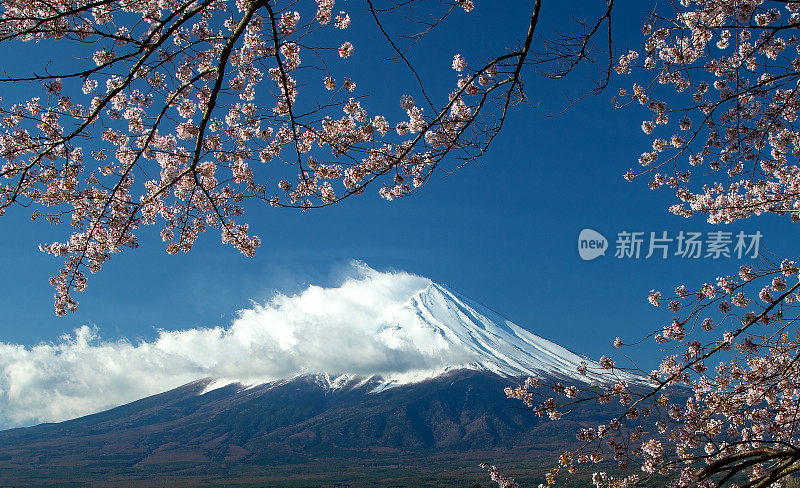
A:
(335, 330)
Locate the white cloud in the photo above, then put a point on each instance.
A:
(335, 330)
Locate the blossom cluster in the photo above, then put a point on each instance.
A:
(183, 118)
(690, 419)
(729, 151)
(718, 79)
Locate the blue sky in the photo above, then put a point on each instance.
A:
(503, 232)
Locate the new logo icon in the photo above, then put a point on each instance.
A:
(591, 244)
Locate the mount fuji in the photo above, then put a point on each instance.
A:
(447, 401)
(451, 333)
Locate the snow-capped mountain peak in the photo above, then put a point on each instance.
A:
(374, 330)
(436, 331)
(438, 319)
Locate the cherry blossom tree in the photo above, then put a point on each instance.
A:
(719, 83)
(189, 114)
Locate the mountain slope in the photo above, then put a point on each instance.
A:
(287, 423)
